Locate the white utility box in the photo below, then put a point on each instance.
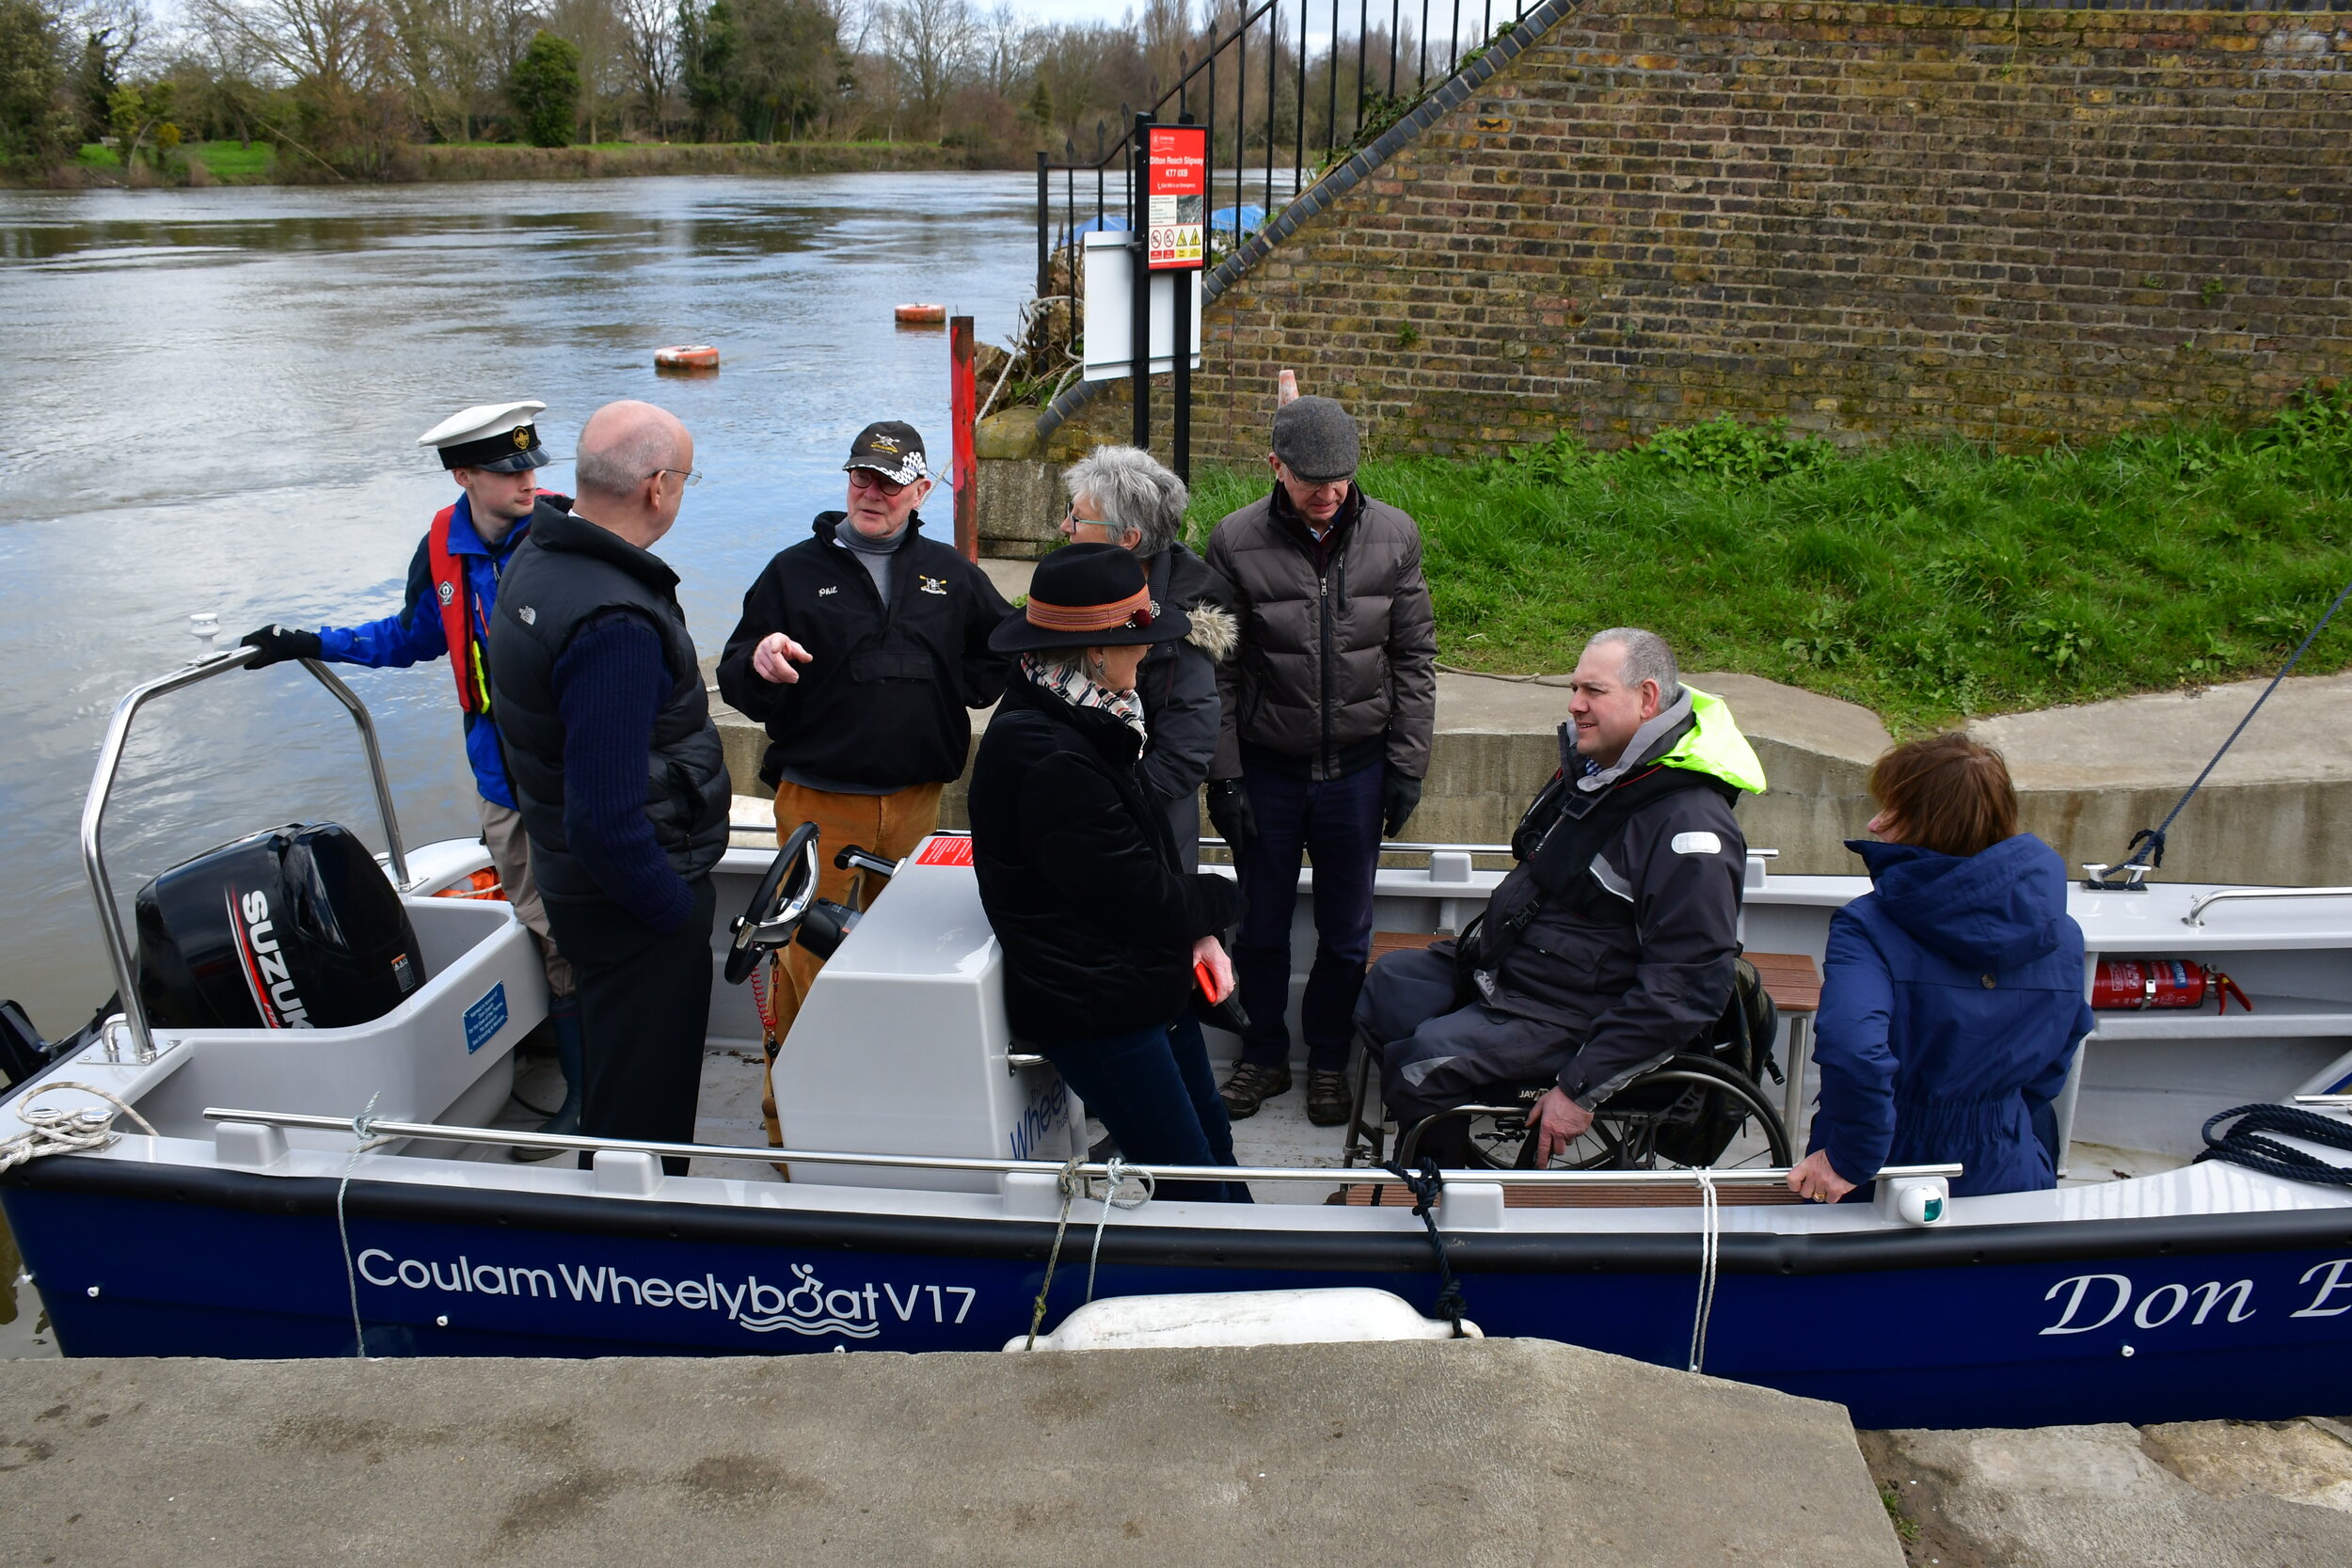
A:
(903, 1046)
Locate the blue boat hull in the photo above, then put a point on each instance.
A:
(2137, 1320)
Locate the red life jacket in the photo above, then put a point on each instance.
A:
(459, 626)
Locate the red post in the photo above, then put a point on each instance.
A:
(963, 400)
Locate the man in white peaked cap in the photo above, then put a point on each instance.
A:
(493, 453)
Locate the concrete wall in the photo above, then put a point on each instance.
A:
(2012, 225)
(2279, 811)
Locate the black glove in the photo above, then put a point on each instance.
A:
(1229, 812)
(1400, 796)
(278, 644)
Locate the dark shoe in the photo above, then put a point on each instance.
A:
(1250, 1087)
(1327, 1097)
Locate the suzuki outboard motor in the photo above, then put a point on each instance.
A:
(292, 929)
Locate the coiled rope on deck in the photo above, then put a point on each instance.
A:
(2247, 1145)
(48, 1130)
(1426, 1185)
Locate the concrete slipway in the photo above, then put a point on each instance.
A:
(1473, 1453)
(1479, 1451)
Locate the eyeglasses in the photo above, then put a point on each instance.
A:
(866, 479)
(691, 476)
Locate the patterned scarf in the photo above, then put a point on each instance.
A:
(1074, 686)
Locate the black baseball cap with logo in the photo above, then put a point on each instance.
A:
(891, 448)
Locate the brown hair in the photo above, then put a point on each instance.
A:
(1948, 793)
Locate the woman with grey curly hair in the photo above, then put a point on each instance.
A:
(1122, 496)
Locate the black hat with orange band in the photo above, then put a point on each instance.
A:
(1087, 596)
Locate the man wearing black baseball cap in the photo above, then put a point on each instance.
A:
(860, 648)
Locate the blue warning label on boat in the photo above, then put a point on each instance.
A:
(486, 1018)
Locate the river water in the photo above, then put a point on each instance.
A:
(210, 403)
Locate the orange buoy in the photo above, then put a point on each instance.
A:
(922, 315)
(686, 357)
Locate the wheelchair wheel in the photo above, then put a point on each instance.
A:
(1691, 1112)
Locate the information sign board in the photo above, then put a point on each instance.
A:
(1177, 188)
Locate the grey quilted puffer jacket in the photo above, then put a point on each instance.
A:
(1333, 663)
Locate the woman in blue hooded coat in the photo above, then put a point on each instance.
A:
(1952, 994)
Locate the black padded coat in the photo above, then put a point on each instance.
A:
(1078, 873)
(1337, 663)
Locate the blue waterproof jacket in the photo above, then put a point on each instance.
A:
(1951, 1007)
(415, 634)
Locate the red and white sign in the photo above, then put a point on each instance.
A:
(1177, 193)
(945, 852)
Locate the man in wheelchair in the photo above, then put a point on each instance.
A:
(1611, 945)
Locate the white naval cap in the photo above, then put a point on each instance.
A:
(499, 436)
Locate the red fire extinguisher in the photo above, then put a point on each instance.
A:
(2142, 983)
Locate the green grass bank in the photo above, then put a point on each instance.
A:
(1927, 583)
(509, 161)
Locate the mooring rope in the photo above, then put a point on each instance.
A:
(2150, 841)
(54, 1132)
(1710, 1245)
(1426, 1185)
(2246, 1144)
(363, 1129)
(1120, 1171)
(1068, 1182)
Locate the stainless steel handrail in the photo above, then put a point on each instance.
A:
(101, 789)
(2196, 915)
(435, 1132)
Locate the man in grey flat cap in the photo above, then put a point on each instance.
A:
(1327, 711)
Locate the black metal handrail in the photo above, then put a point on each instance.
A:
(1374, 109)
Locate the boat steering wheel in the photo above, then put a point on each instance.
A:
(774, 913)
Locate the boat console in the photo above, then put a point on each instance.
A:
(903, 1046)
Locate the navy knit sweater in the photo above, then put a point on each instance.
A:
(608, 685)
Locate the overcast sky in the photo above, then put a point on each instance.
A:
(1072, 10)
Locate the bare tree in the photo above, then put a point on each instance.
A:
(648, 47)
(320, 41)
(929, 44)
(1007, 48)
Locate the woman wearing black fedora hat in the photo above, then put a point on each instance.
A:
(1079, 871)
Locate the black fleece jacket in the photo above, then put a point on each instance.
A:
(883, 703)
(1079, 876)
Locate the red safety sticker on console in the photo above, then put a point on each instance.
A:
(945, 852)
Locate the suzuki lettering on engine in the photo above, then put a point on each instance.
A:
(264, 964)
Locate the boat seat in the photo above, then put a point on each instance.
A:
(1641, 1113)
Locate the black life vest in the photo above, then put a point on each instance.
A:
(1555, 843)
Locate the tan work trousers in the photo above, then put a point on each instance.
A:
(510, 852)
(890, 826)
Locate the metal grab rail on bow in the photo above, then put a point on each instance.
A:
(2196, 915)
(101, 789)
(385, 1130)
